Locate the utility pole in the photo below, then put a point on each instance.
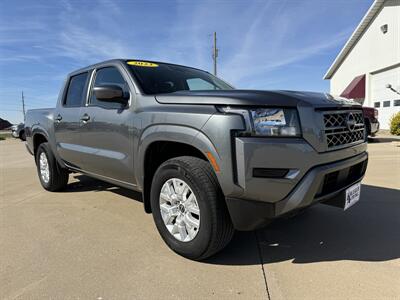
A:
(23, 105)
(215, 53)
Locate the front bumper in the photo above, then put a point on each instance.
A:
(320, 177)
(279, 153)
(374, 127)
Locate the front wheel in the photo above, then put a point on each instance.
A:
(51, 175)
(189, 209)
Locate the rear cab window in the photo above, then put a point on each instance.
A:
(77, 86)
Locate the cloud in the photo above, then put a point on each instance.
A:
(83, 45)
(41, 42)
(276, 38)
(251, 64)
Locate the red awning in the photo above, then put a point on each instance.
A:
(356, 88)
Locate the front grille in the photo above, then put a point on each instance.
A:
(343, 128)
(337, 180)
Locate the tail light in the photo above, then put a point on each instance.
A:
(375, 113)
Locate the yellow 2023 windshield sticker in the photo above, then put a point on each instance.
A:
(142, 64)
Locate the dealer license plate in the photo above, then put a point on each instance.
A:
(352, 195)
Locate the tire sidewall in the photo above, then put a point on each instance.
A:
(197, 246)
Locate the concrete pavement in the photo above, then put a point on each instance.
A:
(93, 241)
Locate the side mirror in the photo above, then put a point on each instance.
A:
(109, 93)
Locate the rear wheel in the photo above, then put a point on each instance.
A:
(188, 208)
(52, 177)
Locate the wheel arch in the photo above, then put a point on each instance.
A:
(37, 139)
(165, 142)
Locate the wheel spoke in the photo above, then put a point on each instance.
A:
(192, 207)
(167, 213)
(174, 229)
(190, 198)
(191, 221)
(167, 188)
(185, 190)
(176, 186)
(182, 232)
(165, 197)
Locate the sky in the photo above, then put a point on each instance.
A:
(279, 44)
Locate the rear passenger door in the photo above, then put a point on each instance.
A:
(67, 120)
(107, 133)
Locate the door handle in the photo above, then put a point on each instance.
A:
(85, 118)
(58, 118)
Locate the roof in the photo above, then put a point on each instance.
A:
(123, 61)
(356, 35)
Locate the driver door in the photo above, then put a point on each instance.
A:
(106, 131)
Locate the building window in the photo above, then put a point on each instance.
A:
(377, 104)
(386, 103)
(396, 102)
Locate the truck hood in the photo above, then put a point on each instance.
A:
(255, 98)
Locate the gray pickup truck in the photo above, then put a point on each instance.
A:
(207, 158)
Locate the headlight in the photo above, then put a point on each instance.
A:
(275, 122)
(268, 121)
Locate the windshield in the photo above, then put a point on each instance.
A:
(160, 78)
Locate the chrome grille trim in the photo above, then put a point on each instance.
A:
(343, 128)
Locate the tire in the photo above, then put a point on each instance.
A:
(22, 135)
(57, 177)
(367, 127)
(215, 228)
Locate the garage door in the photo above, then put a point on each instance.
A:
(384, 98)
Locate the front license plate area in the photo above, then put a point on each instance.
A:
(346, 198)
(352, 195)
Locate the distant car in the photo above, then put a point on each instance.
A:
(371, 120)
(18, 131)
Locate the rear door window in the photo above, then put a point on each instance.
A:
(76, 90)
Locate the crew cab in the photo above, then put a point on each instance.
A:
(208, 159)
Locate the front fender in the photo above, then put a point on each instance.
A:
(173, 133)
